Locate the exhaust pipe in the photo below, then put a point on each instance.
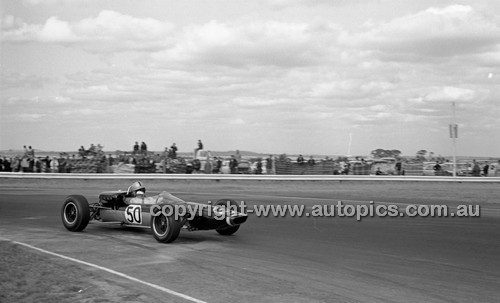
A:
(236, 220)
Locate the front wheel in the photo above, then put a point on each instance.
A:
(165, 229)
(75, 213)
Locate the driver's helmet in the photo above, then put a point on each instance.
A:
(135, 187)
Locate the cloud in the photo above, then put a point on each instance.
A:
(55, 30)
(282, 4)
(449, 94)
(8, 22)
(434, 32)
(352, 88)
(29, 117)
(10, 79)
(108, 31)
(269, 79)
(272, 43)
(54, 2)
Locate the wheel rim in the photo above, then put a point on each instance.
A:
(70, 213)
(160, 225)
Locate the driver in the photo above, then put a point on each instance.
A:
(136, 187)
(136, 194)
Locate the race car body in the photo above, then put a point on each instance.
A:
(165, 214)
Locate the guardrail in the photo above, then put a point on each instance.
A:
(8, 175)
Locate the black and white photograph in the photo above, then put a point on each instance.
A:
(249, 151)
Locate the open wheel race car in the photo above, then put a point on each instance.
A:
(164, 213)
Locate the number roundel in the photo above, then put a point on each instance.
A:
(133, 214)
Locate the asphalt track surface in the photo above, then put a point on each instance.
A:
(280, 259)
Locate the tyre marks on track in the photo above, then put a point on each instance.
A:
(114, 272)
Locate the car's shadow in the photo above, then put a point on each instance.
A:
(128, 233)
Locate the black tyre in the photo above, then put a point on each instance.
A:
(227, 230)
(165, 229)
(75, 213)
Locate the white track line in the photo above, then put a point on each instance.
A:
(157, 287)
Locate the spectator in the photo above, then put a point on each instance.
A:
(81, 151)
(207, 167)
(258, 171)
(311, 161)
(200, 147)
(46, 164)
(346, 167)
(144, 148)
(54, 165)
(486, 168)
(378, 172)
(136, 148)
(300, 160)
(476, 170)
(218, 165)
(173, 151)
(437, 169)
(69, 165)
(25, 165)
(233, 165)
(238, 155)
(16, 164)
(7, 164)
(31, 152)
(62, 165)
(164, 164)
(111, 160)
(31, 162)
(196, 165)
(269, 165)
(38, 165)
(398, 167)
(189, 168)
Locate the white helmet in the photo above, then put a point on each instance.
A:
(136, 186)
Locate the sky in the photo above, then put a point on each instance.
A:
(316, 77)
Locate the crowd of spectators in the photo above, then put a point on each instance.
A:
(92, 151)
(27, 162)
(144, 161)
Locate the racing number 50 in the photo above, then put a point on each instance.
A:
(133, 214)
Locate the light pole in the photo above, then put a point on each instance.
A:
(454, 136)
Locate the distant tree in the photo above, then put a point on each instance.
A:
(378, 153)
(396, 153)
(283, 157)
(421, 155)
(431, 156)
(383, 153)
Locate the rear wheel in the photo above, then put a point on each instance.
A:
(75, 213)
(227, 230)
(165, 229)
